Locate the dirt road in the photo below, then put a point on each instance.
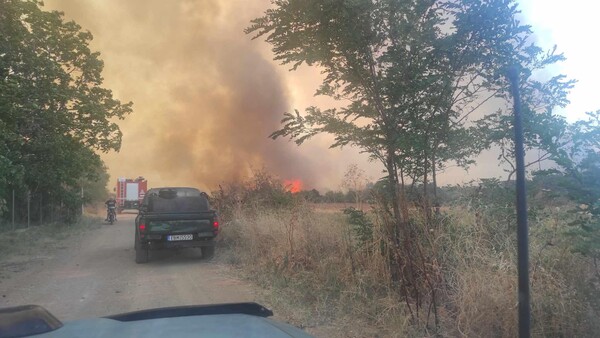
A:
(94, 274)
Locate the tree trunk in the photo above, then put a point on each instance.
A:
(392, 189)
(433, 177)
(436, 202)
(395, 246)
(426, 207)
(403, 202)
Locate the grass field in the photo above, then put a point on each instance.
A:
(313, 265)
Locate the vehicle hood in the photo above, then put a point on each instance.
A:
(221, 326)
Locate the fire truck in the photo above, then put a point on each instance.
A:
(130, 192)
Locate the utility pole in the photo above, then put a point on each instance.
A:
(522, 227)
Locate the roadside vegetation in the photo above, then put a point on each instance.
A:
(55, 116)
(420, 86)
(330, 272)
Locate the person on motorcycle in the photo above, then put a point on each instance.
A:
(111, 206)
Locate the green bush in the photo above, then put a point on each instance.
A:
(361, 226)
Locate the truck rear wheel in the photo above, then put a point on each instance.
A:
(141, 253)
(208, 252)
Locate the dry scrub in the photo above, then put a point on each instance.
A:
(321, 276)
(480, 272)
(38, 239)
(311, 260)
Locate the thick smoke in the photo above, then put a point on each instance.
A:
(205, 96)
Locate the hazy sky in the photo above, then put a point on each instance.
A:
(206, 96)
(572, 26)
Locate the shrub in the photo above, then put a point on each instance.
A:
(362, 227)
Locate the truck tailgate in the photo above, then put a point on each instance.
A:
(180, 226)
(180, 223)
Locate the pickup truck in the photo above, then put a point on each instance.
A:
(172, 218)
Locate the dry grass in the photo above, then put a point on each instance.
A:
(335, 208)
(37, 239)
(308, 257)
(321, 279)
(481, 278)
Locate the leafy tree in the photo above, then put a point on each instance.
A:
(586, 191)
(312, 195)
(94, 186)
(541, 130)
(407, 74)
(576, 151)
(55, 116)
(334, 197)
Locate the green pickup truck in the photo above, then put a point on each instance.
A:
(172, 218)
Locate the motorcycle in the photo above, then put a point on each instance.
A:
(112, 215)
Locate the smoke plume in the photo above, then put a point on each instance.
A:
(205, 96)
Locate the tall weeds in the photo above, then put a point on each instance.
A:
(466, 256)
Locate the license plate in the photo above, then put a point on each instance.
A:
(180, 238)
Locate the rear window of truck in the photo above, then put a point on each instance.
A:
(176, 200)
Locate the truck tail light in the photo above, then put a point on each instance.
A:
(215, 226)
(142, 227)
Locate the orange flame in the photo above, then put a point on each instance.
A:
(293, 186)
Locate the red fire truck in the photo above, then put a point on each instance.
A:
(130, 192)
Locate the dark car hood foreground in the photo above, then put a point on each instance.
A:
(222, 320)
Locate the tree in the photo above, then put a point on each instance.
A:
(542, 127)
(408, 75)
(55, 116)
(94, 186)
(312, 196)
(334, 197)
(576, 151)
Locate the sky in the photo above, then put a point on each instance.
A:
(573, 27)
(206, 96)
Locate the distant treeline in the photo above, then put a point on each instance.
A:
(550, 188)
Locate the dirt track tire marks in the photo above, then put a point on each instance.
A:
(96, 275)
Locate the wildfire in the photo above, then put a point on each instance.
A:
(293, 186)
